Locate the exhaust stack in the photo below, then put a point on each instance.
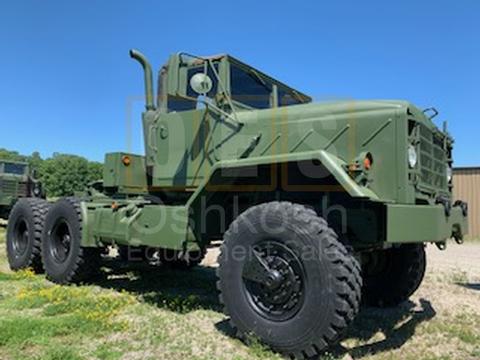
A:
(147, 69)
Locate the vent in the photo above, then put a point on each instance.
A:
(8, 187)
(13, 188)
(433, 160)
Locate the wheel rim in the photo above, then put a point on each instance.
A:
(283, 298)
(377, 263)
(61, 240)
(21, 236)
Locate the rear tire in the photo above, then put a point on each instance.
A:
(393, 275)
(64, 259)
(24, 232)
(317, 282)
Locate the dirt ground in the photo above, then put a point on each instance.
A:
(465, 257)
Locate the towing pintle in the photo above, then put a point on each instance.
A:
(147, 69)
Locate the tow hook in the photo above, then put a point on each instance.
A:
(463, 205)
(446, 204)
(441, 245)
(457, 235)
(458, 239)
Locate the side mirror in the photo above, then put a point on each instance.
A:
(201, 83)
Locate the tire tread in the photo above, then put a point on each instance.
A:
(348, 279)
(39, 208)
(87, 263)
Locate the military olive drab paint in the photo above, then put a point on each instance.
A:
(199, 150)
(15, 182)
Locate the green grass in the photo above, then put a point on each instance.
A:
(142, 312)
(40, 317)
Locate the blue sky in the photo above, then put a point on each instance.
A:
(68, 85)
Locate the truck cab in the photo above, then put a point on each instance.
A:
(16, 181)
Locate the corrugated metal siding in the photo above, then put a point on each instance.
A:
(466, 187)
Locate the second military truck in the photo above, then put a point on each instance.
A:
(319, 205)
(16, 181)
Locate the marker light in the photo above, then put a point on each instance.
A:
(368, 161)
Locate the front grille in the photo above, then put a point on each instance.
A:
(8, 187)
(13, 188)
(433, 160)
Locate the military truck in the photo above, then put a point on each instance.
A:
(318, 205)
(16, 181)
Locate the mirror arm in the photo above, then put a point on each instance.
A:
(221, 112)
(226, 93)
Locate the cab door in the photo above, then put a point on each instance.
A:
(182, 146)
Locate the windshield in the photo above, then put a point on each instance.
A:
(250, 88)
(234, 86)
(15, 169)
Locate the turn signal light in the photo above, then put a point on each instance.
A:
(126, 160)
(368, 161)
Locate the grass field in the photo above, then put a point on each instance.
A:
(154, 313)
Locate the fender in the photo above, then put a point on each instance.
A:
(332, 163)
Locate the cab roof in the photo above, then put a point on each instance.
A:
(6, 161)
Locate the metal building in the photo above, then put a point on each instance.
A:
(466, 186)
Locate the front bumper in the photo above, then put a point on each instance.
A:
(424, 223)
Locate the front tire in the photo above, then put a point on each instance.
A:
(64, 259)
(391, 276)
(24, 232)
(311, 286)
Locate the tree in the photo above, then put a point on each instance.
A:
(63, 174)
(95, 171)
(11, 155)
(35, 162)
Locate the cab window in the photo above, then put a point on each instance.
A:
(15, 169)
(248, 88)
(286, 98)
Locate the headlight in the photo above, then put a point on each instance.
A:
(412, 156)
(37, 191)
(449, 173)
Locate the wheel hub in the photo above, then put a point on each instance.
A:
(278, 294)
(21, 236)
(62, 240)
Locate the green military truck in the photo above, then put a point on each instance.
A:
(320, 206)
(16, 181)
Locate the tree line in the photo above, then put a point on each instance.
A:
(60, 174)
